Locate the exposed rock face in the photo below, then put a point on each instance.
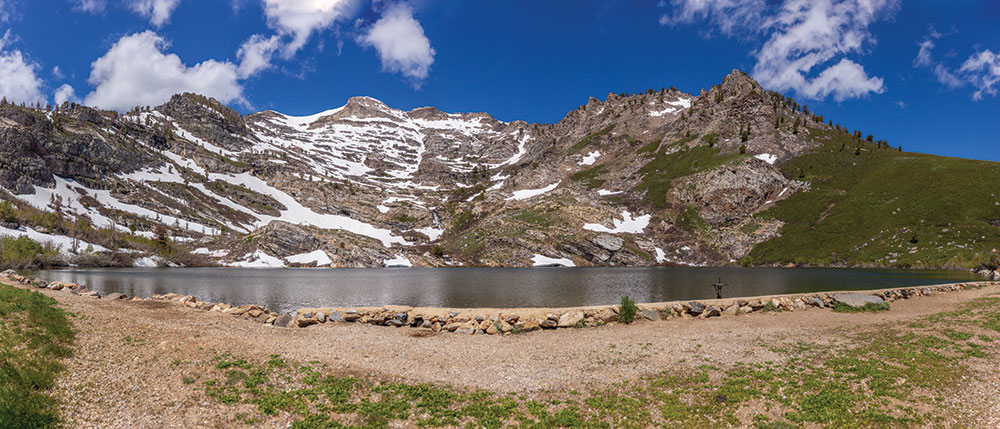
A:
(730, 194)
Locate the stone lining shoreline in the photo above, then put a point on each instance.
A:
(503, 321)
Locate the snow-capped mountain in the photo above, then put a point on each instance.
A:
(367, 185)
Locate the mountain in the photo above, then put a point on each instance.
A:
(735, 174)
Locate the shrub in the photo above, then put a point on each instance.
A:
(24, 253)
(627, 309)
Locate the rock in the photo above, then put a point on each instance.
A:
(334, 316)
(307, 315)
(857, 300)
(816, 302)
(486, 324)
(697, 308)
(609, 243)
(732, 310)
(350, 316)
(492, 329)
(257, 312)
(649, 314)
(746, 309)
(570, 319)
(548, 324)
(711, 311)
(283, 321)
(395, 323)
(320, 317)
(115, 295)
(270, 320)
(468, 328)
(302, 322)
(435, 327)
(529, 325)
(506, 327)
(452, 327)
(606, 315)
(9, 273)
(799, 304)
(452, 314)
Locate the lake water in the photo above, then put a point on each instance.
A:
(285, 290)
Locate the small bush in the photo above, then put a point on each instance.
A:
(840, 307)
(627, 309)
(24, 253)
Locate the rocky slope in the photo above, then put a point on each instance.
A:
(660, 177)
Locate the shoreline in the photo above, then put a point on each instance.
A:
(486, 320)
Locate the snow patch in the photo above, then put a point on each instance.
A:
(626, 225)
(62, 242)
(661, 256)
(147, 262)
(605, 192)
(591, 158)
(259, 259)
(398, 262)
(528, 193)
(318, 256)
(431, 232)
(545, 261)
(768, 158)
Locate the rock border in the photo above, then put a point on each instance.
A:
(471, 321)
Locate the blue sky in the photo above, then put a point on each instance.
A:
(922, 74)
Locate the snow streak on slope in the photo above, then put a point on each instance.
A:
(626, 225)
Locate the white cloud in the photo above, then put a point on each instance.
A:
(65, 93)
(300, 18)
(19, 82)
(92, 6)
(982, 70)
(158, 11)
(808, 41)
(256, 53)
(6, 10)
(401, 44)
(135, 71)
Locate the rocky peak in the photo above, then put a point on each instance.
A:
(739, 83)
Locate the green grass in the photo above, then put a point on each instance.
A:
(690, 220)
(591, 176)
(588, 140)
(34, 336)
(870, 307)
(884, 207)
(880, 376)
(659, 173)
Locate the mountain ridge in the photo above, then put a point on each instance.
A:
(659, 177)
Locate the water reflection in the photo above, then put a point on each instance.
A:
(286, 290)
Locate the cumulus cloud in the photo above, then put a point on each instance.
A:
(20, 83)
(298, 19)
(807, 41)
(65, 93)
(401, 44)
(981, 70)
(158, 11)
(92, 6)
(136, 72)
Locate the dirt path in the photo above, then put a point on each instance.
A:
(131, 357)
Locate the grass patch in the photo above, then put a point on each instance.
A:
(588, 140)
(659, 173)
(590, 176)
(34, 336)
(884, 207)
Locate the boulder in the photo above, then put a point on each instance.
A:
(351, 316)
(283, 321)
(548, 324)
(468, 328)
(697, 308)
(609, 243)
(321, 317)
(9, 273)
(529, 325)
(857, 300)
(452, 327)
(649, 314)
(570, 319)
(732, 310)
(302, 321)
(816, 302)
(606, 315)
(115, 295)
(711, 311)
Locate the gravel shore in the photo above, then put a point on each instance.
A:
(131, 357)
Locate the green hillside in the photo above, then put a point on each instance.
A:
(878, 206)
